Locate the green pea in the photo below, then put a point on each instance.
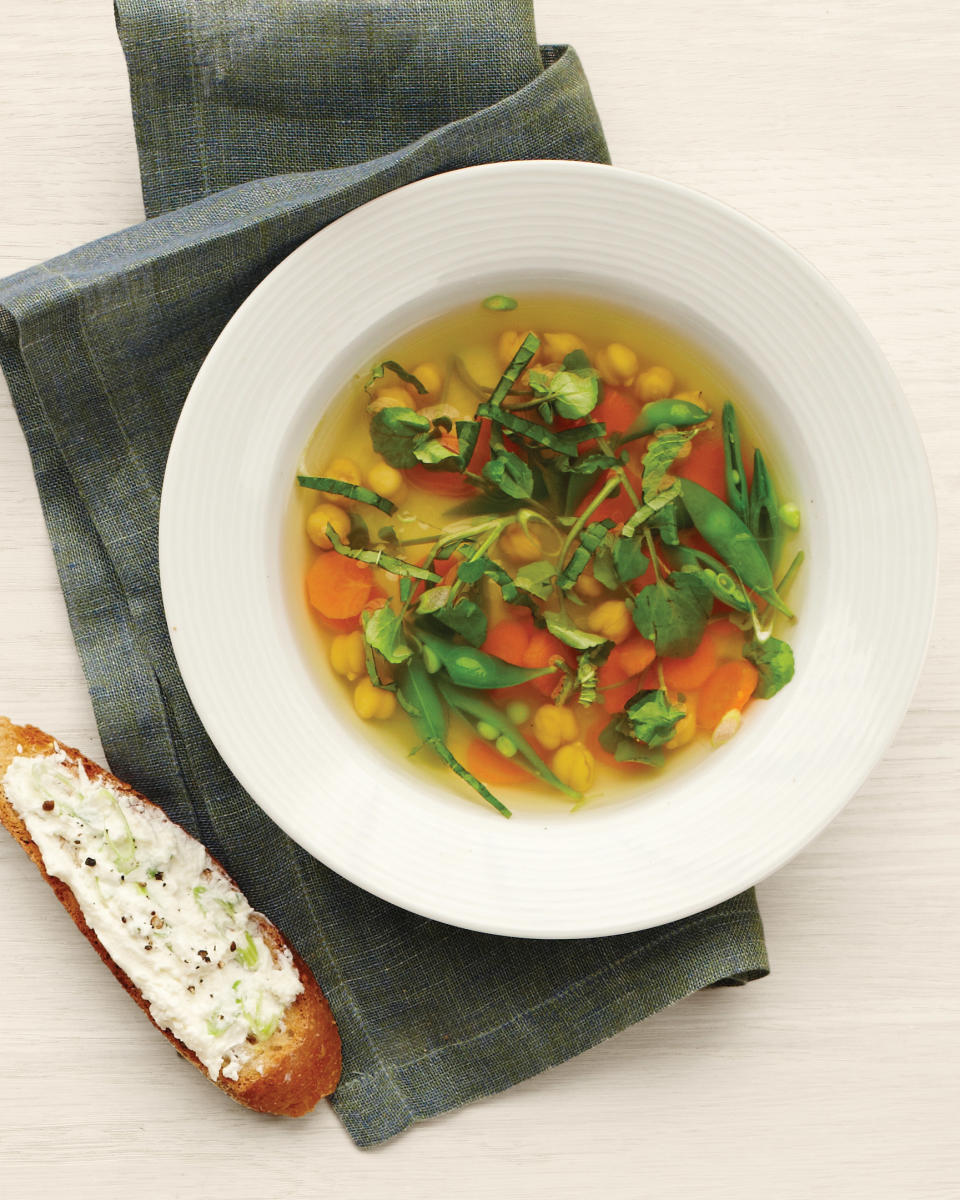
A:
(790, 515)
(507, 748)
(719, 525)
(500, 303)
(518, 712)
(487, 731)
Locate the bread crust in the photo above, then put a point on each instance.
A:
(289, 1071)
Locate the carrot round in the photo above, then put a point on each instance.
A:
(705, 464)
(619, 675)
(687, 674)
(730, 686)
(508, 639)
(542, 649)
(490, 766)
(338, 587)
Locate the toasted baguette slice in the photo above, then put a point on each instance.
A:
(291, 1069)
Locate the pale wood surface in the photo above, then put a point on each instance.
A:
(836, 126)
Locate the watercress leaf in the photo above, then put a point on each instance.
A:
(393, 432)
(465, 618)
(359, 531)
(617, 739)
(572, 635)
(476, 568)
(387, 533)
(537, 578)
(383, 631)
(574, 392)
(666, 521)
(510, 474)
(434, 599)
(586, 682)
(577, 360)
(400, 372)
(652, 717)
(353, 491)
(629, 560)
(774, 660)
(377, 558)
(604, 568)
(673, 613)
(500, 303)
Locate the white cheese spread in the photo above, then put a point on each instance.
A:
(162, 910)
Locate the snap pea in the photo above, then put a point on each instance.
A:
(733, 462)
(475, 669)
(420, 699)
(478, 712)
(681, 414)
(713, 573)
(763, 512)
(719, 525)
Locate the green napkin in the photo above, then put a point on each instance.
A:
(257, 124)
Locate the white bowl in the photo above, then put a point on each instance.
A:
(818, 388)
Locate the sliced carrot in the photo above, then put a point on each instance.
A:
(730, 686)
(619, 675)
(687, 674)
(378, 598)
(490, 766)
(650, 679)
(508, 639)
(616, 410)
(338, 587)
(704, 464)
(543, 649)
(441, 483)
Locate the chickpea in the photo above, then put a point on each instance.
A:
(431, 377)
(386, 481)
(347, 655)
(509, 343)
(555, 726)
(518, 546)
(575, 766)
(617, 363)
(588, 586)
(686, 727)
(323, 515)
(347, 470)
(653, 384)
(556, 346)
(391, 397)
(611, 620)
(373, 703)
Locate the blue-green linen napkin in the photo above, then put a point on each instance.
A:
(257, 124)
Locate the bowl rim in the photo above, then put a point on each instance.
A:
(395, 890)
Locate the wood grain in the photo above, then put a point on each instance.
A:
(835, 126)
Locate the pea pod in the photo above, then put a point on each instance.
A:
(681, 414)
(763, 513)
(479, 711)
(419, 697)
(734, 474)
(475, 669)
(719, 525)
(713, 573)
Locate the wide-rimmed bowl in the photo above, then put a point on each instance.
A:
(820, 393)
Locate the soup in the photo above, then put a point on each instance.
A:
(544, 552)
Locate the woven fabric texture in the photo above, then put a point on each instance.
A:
(257, 124)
